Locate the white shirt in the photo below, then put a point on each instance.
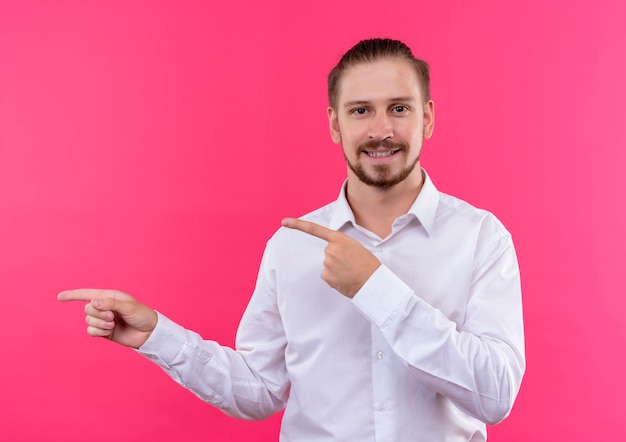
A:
(429, 349)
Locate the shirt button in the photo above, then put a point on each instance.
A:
(380, 354)
(379, 249)
(382, 407)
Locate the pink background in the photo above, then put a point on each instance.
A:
(154, 147)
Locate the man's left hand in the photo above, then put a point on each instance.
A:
(347, 264)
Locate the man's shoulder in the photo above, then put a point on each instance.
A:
(321, 216)
(459, 210)
(457, 206)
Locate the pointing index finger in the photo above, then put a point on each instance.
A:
(84, 295)
(309, 228)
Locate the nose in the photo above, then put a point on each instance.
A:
(381, 127)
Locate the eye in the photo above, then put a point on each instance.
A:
(359, 111)
(399, 109)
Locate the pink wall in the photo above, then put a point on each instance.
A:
(155, 146)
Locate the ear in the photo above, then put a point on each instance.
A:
(333, 122)
(429, 119)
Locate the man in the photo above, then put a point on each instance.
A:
(414, 330)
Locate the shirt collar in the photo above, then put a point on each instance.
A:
(425, 206)
(342, 212)
(423, 209)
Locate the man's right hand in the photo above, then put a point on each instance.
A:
(114, 315)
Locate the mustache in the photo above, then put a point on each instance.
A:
(374, 144)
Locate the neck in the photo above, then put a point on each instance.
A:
(376, 209)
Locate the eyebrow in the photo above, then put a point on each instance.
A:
(392, 100)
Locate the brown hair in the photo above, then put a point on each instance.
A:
(367, 51)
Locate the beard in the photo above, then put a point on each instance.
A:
(382, 176)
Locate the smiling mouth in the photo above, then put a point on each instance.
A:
(381, 154)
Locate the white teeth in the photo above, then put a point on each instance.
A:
(381, 154)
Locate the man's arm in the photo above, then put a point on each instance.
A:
(233, 381)
(478, 364)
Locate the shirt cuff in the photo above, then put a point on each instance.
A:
(382, 295)
(165, 342)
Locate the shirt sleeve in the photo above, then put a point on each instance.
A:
(242, 383)
(479, 363)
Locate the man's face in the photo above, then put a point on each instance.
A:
(381, 121)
